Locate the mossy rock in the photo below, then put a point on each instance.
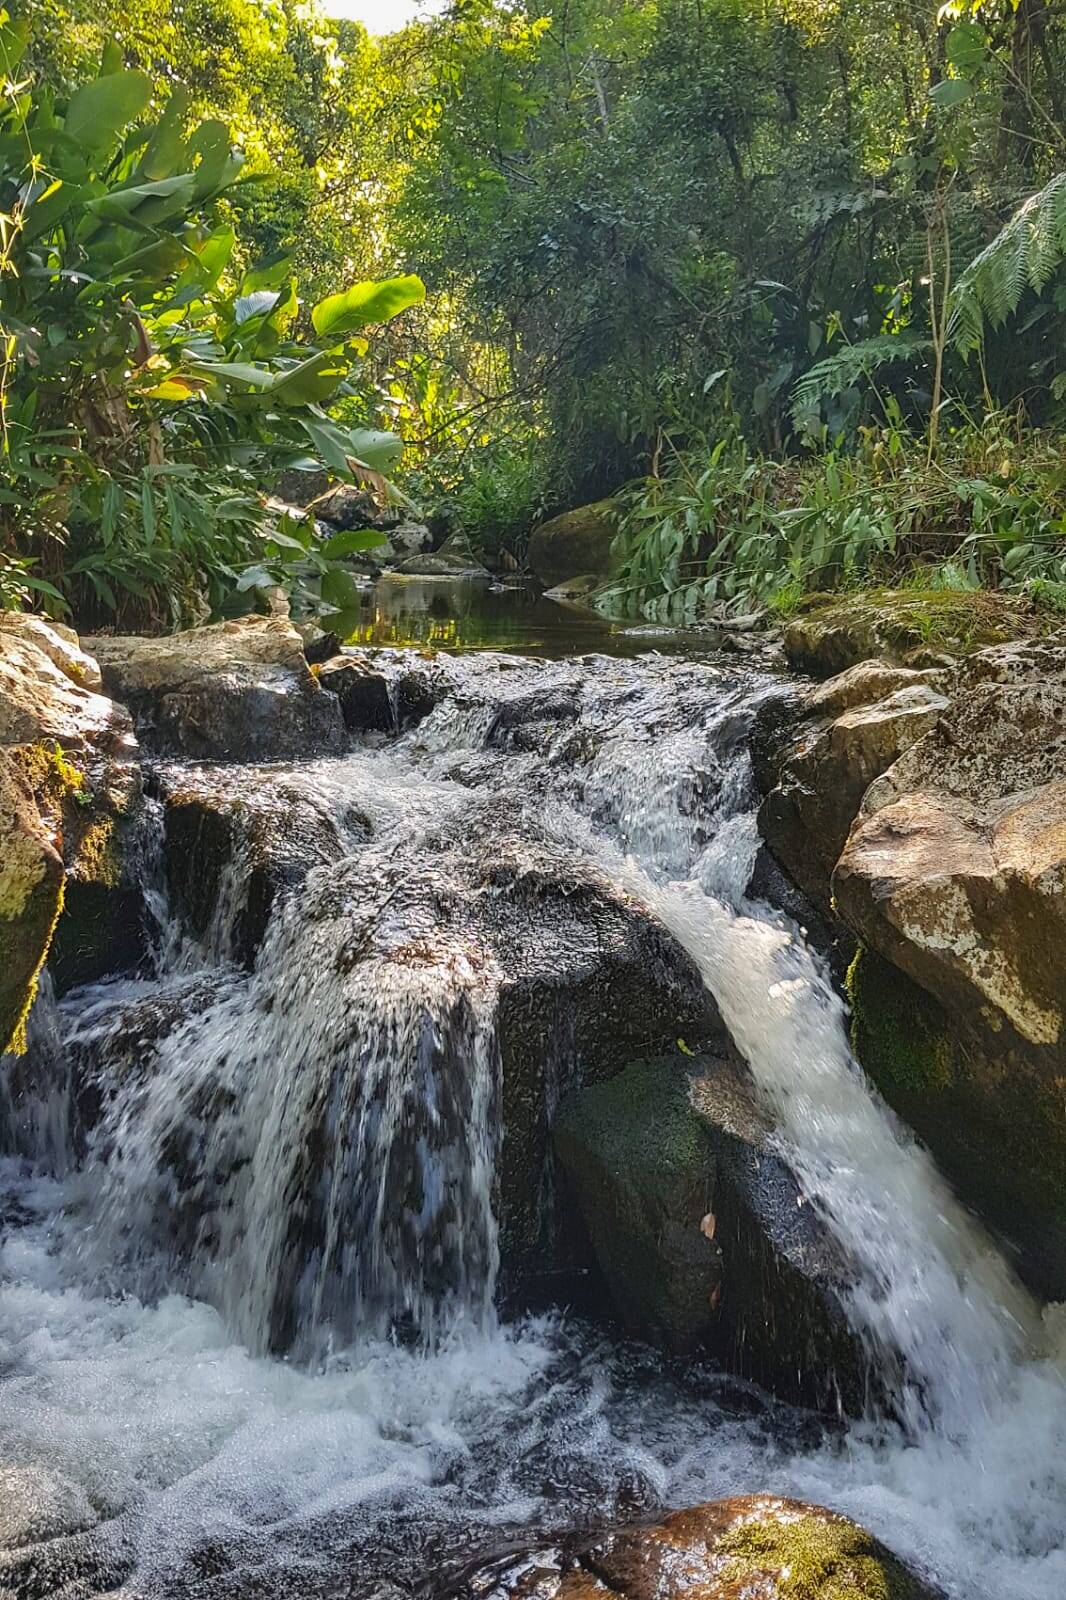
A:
(911, 627)
(574, 545)
(753, 1547)
(31, 898)
(994, 1118)
(696, 1225)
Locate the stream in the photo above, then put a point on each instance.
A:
(151, 1435)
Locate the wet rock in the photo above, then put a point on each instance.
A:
(429, 995)
(238, 691)
(856, 726)
(234, 842)
(383, 691)
(454, 559)
(904, 626)
(955, 872)
(754, 1547)
(700, 1229)
(577, 542)
(31, 895)
(74, 752)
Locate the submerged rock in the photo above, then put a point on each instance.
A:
(575, 544)
(754, 1547)
(237, 691)
(701, 1231)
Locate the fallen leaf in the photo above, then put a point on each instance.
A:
(708, 1225)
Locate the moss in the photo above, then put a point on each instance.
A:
(814, 1558)
(98, 858)
(897, 1032)
(16, 1044)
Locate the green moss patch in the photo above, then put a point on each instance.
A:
(815, 1558)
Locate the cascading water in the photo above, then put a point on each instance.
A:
(310, 1157)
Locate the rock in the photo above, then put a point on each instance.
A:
(454, 559)
(238, 691)
(577, 542)
(580, 590)
(700, 1231)
(842, 746)
(492, 968)
(75, 753)
(31, 896)
(345, 506)
(59, 643)
(235, 841)
(955, 873)
(299, 487)
(904, 626)
(409, 539)
(754, 1547)
(382, 692)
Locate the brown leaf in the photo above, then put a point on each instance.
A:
(708, 1225)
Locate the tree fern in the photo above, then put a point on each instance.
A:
(834, 374)
(1022, 256)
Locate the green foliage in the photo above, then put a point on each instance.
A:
(728, 530)
(149, 392)
(1023, 257)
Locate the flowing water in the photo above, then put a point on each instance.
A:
(307, 1167)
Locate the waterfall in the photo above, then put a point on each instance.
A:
(302, 1158)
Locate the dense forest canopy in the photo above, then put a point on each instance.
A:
(755, 261)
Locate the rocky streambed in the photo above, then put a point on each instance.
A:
(436, 1143)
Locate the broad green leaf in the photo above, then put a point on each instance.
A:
(374, 449)
(99, 111)
(14, 37)
(228, 373)
(218, 162)
(253, 305)
(166, 153)
(351, 540)
(340, 589)
(313, 381)
(966, 48)
(364, 303)
(950, 92)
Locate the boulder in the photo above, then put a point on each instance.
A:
(905, 626)
(298, 486)
(955, 874)
(238, 691)
(70, 762)
(408, 538)
(855, 727)
(574, 544)
(454, 559)
(754, 1547)
(700, 1230)
(489, 968)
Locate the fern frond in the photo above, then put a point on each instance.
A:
(1022, 256)
(834, 374)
